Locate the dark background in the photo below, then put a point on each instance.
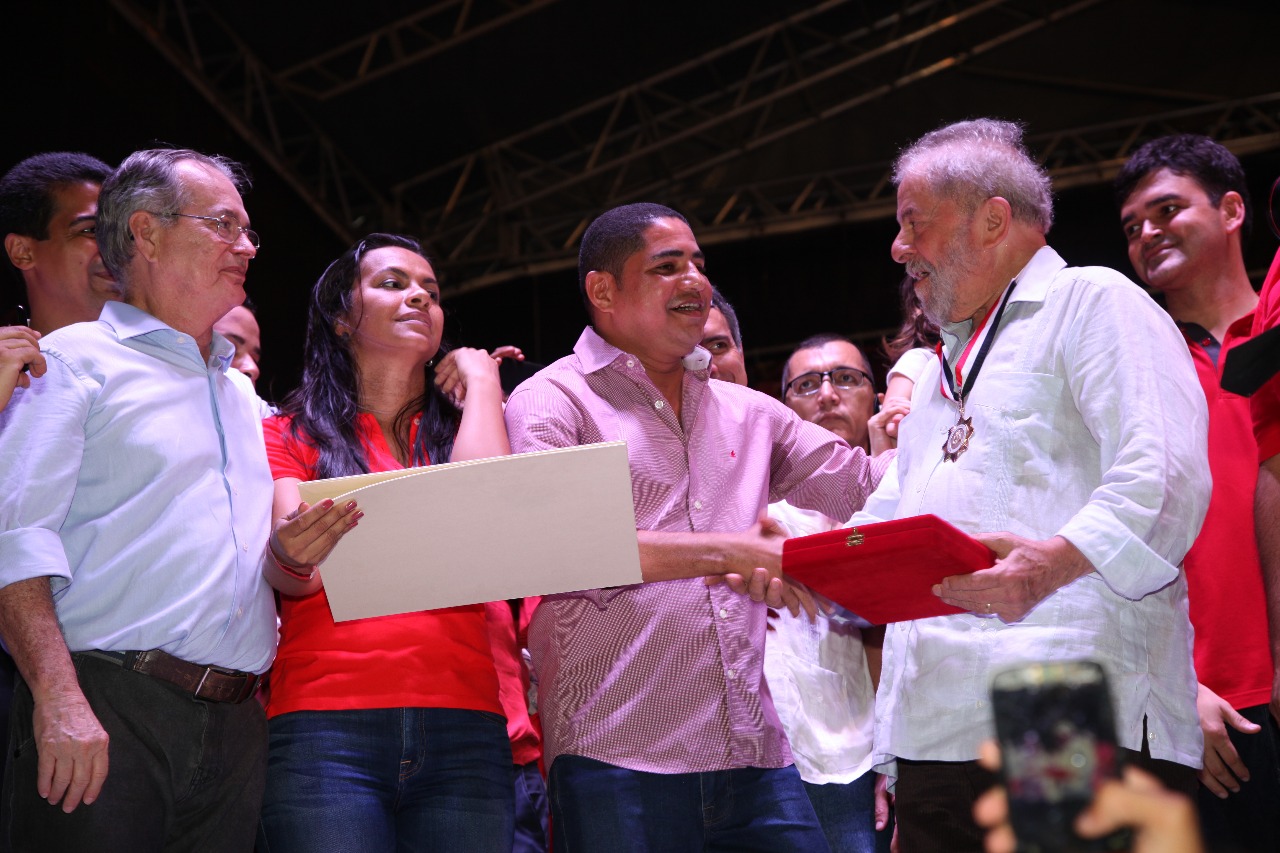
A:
(80, 76)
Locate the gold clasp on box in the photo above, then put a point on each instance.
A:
(854, 538)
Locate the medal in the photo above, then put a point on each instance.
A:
(959, 435)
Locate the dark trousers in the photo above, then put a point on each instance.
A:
(1249, 820)
(934, 799)
(933, 802)
(184, 774)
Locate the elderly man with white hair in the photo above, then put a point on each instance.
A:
(1061, 425)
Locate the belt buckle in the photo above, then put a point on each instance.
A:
(248, 682)
(200, 686)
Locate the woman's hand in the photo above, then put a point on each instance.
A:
(509, 351)
(302, 539)
(18, 349)
(882, 427)
(465, 368)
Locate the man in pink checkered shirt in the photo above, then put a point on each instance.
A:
(660, 732)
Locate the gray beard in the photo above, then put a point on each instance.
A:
(958, 262)
(939, 301)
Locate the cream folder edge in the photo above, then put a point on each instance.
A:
(482, 530)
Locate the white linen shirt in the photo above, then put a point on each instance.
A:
(1088, 423)
(819, 678)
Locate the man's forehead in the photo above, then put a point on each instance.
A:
(240, 322)
(826, 356)
(211, 188)
(916, 198)
(74, 201)
(1158, 187)
(669, 237)
(717, 326)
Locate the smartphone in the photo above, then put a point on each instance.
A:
(1057, 738)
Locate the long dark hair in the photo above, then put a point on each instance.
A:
(324, 407)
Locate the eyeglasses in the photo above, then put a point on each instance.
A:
(228, 231)
(844, 378)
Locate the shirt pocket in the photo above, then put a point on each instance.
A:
(1023, 411)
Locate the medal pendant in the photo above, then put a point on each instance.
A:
(958, 438)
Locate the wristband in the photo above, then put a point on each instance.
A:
(294, 571)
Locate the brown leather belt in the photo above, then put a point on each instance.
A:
(211, 683)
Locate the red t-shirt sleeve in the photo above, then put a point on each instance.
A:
(288, 456)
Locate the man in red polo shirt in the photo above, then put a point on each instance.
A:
(1184, 209)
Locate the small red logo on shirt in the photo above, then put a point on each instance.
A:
(733, 454)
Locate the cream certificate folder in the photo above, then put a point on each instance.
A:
(490, 529)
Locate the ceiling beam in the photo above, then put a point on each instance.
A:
(677, 130)
(220, 66)
(1075, 157)
(402, 43)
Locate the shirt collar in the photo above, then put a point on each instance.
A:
(128, 322)
(1033, 285)
(595, 353)
(1034, 278)
(1033, 282)
(223, 350)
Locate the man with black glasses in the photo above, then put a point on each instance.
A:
(822, 671)
(828, 381)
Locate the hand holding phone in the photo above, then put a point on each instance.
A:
(1056, 730)
(1162, 821)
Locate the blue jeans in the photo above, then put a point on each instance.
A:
(531, 810)
(847, 813)
(388, 779)
(597, 807)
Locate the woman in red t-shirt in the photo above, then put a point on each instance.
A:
(386, 733)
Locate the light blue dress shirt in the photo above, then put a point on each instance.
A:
(133, 475)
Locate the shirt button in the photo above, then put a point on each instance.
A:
(697, 504)
(724, 614)
(658, 404)
(733, 673)
(246, 547)
(630, 363)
